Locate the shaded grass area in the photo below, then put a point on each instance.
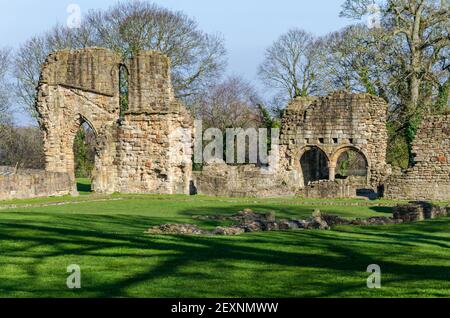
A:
(117, 260)
(84, 186)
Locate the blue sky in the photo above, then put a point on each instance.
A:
(248, 26)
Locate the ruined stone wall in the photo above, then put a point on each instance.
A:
(134, 151)
(76, 87)
(240, 181)
(429, 178)
(150, 87)
(151, 157)
(26, 184)
(335, 124)
(148, 149)
(154, 141)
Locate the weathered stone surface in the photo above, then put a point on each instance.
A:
(334, 124)
(429, 178)
(333, 220)
(25, 184)
(148, 148)
(409, 213)
(288, 225)
(175, 229)
(143, 151)
(343, 188)
(317, 222)
(240, 181)
(419, 211)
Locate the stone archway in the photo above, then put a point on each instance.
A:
(79, 87)
(349, 161)
(314, 164)
(71, 136)
(131, 107)
(85, 151)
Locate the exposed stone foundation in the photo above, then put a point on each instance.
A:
(247, 221)
(344, 189)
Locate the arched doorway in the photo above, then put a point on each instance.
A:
(314, 165)
(351, 163)
(84, 156)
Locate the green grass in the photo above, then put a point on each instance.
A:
(118, 260)
(84, 186)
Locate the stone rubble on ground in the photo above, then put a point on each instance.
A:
(248, 221)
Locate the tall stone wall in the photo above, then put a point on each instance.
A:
(150, 87)
(429, 178)
(26, 184)
(151, 156)
(77, 87)
(141, 151)
(154, 141)
(335, 124)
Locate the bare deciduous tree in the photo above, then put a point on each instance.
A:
(197, 57)
(131, 26)
(291, 65)
(4, 87)
(21, 147)
(230, 103)
(419, 32)
(353, 62)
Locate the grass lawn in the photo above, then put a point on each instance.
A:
(84, 186)
(104, 235)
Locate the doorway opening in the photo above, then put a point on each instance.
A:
(84, 157)
(314, 164)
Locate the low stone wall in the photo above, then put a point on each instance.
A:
(328, 189)
(340, 189)
(240, 181)
(412, 186)
(429, 178)
(26, 184)
(419, 211)
(252, 181)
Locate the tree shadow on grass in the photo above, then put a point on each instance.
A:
(200, 261)
(382, 209)
(84, 186)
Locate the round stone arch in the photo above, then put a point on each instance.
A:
(340, 151)
(312, 163)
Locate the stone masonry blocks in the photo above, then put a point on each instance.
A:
(134, 151)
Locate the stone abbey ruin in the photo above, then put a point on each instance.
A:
(139, 151)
